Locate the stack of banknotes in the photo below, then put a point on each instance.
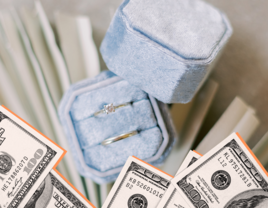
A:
(228, 176)
(28, 177)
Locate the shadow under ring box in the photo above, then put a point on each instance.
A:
(167, 48)
(85, 131)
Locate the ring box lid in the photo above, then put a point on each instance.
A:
(167, 48)
(190, 29)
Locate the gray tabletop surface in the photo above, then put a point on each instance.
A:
(242, 69)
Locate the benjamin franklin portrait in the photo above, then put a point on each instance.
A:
(250, 199)
(42, 195)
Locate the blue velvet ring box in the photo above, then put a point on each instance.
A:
(166, 48)
(85, 131)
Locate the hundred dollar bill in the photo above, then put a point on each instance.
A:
(138, 185)
(171, 197)
(228, 176)
(26, 157)
(190, 158)
(56, 192)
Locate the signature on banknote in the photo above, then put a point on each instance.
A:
(18, 184)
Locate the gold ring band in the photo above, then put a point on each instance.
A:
(118, 138)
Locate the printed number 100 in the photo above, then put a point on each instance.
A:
(32, 162)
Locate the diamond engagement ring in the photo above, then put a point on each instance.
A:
(118, 138)
(110, 108)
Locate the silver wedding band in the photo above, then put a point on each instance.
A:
(118, 138)
(110, 108)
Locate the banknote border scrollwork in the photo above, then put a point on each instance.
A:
(66, 192)
(169, 199)
(193, 160)
(233, 144)
(2, 116)
(145, 174)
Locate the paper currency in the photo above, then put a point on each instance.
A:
(26, 157)
(138, 185)
(190, 158)
(228, 176)
(171, 197)
(56, 192)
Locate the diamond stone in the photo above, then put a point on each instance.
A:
(109, 108)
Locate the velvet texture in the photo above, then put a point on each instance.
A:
(166, 48)
(90, 130)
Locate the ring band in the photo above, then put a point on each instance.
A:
(110, 108)
(118, 138)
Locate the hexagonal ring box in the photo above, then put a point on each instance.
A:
(123, 108)
(166, 48)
